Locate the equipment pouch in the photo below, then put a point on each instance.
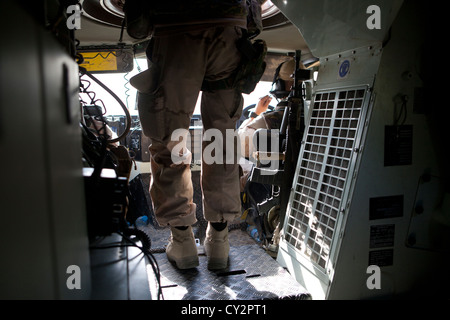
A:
(138, 19)
(254, 18)
(253, 65)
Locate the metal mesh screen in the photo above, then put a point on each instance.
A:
(315, 203)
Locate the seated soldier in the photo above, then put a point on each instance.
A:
(260, 119)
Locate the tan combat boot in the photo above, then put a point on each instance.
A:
(182, 249)
(217, 248)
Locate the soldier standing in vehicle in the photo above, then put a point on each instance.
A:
(193, 45)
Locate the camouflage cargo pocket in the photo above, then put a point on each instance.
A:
(152, 115)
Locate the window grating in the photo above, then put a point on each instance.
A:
(324, 168)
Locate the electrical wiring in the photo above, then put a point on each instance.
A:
(94, 147)
(127, 81)
(84, 89)
(152, 261)
(83, 71)
(144, 250)
(127, 89)
(97, 145)
(94, 102)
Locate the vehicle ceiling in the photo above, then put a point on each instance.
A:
(102, 19)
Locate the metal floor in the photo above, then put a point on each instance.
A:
(123, 273)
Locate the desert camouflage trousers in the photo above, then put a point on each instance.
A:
(168, 92)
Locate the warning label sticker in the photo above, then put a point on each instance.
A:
(99, 61)
(381, 258)
(382, 236)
